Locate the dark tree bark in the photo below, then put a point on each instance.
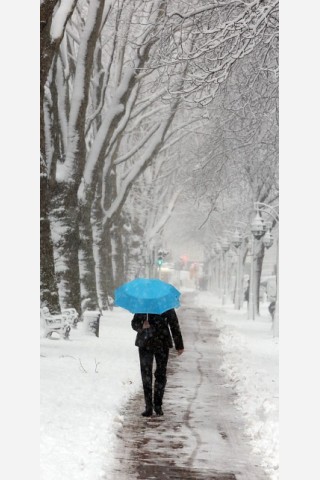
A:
(66, 211)
(102, 244)
(118, 253)
(48, 287)
(88, 284)
(134, 250)
(48, 48)
(66, 221)
(48, 290)
(105, 282)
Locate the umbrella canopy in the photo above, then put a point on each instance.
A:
(147, 295)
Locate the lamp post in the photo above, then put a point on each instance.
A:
(225, 245)
(257, 230)
(236, 242)
(271, 211)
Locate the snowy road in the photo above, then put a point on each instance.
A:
(201, 433)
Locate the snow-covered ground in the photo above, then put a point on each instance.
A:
(251, 365)
(86, 381)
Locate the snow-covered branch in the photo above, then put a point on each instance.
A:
(222, 33)
(139, 166)
(75, 155)
(165, 216)
(138, 146)
(60, 18)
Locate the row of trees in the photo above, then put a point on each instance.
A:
(122, 83)
(237, 156)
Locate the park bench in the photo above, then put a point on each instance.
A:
(54, 323)
(72, 316)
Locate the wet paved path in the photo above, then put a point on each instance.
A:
(200, 435)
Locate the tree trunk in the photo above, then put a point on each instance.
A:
(258, 270)
(89, 297)
(135, 261)
(65, 225)
(102, 252)
(65, 211)
(49, 295)
(48, 287)
(117, 253)
(104, 271)
(48, 290)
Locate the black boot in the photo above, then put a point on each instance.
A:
(148, 412)
(158, 410)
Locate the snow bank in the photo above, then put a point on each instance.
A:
(251, 368)
(84, 384)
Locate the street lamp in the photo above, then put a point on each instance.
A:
(236, 239)
(225, 245)
(268, 237)
(271, 211)
(237, 242)
(257, 229)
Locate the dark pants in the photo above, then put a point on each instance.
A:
(146, 361)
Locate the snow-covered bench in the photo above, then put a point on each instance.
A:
(72, 315)
(54, 323)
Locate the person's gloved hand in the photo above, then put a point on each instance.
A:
(146, 324)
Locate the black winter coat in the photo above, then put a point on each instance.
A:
(159, 331)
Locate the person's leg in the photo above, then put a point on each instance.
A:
(160, 378)
(146, 361)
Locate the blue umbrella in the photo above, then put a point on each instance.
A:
(147, 295)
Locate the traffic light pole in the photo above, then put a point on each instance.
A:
(161, 254)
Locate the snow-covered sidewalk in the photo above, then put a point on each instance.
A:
(85, 383)
(251, 366)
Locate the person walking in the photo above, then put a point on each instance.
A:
(247, 294)
(154, 339)
(272, 296)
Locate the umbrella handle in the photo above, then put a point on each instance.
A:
(147, 320)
